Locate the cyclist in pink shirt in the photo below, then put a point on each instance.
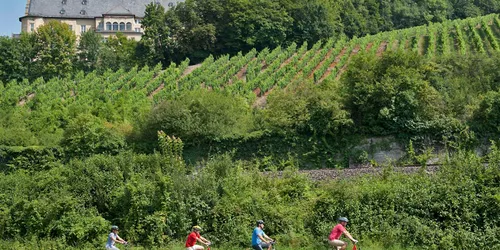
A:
(337, 231)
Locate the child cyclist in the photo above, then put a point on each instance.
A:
(113, 238)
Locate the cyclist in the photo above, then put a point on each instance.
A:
(113, 238)
(337, 231)
(195, 236)
(260, 240)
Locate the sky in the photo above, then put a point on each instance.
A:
(10, 12)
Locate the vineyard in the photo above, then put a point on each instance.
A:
(250, 75)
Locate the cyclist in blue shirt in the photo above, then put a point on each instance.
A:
(260, 240)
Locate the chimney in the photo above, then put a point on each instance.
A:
(27, 9)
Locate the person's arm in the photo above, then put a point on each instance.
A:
(267, 237)
(348, 235)
(262, 237)
(203, 240)
(120, 240)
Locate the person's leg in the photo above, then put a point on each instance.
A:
(266, 246)
(257, 247)
(337, 244)
(344, 246)
(198, 247)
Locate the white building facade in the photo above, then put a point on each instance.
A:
(106, 17)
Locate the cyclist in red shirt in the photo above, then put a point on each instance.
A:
(337, 231)
(193, 237)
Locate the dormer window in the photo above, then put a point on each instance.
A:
(170, 4)
(62, 11)
(83, 12)
(84, 2)
(63, 2)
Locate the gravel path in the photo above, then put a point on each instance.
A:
(330, 174)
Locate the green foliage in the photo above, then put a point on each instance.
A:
(307, 109)
(485, 119)
(391, 92)
(56, 45)
(201, 115)
(87, 135)
(89, 50)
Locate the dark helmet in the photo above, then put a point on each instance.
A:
(114, 228)
(344, 219)
(259, 222)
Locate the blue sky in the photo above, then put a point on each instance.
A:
(10, 12)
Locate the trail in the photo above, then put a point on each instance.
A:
(333, 64)
(337, 174)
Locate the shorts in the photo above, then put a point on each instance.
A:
(337, 243)
(261, 246)
(195, 247)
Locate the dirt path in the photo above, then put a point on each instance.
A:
(333, 64)
(26, 99)
(190, 69)
(327, 56)
(369, 47)
(344, 68)
(156, 91)
(381, 48)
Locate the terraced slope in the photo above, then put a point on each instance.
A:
(254, 73)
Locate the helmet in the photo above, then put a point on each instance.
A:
(344, 219)
(114, 228)
(260, 222)
(197, 228)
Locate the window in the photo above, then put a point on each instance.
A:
(122, 26)
(62, 11)
(63, 2)
(137, 21)
(71, 27)
(83, 28)
(100, 26)
(108, 26)
(129, 26)
(170, 4)
(83, 12)
(115, 26)
(84, 2)
(137, 29)
(32, 27)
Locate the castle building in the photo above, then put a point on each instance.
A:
(106, 17)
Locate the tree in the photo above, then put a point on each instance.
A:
(55, 46)
(156, 40)
(118, 52)
(195, 37)
(87, 135)
(252, 24)
(311, 22)
(89, 50)
(390, 93)
(16, 57)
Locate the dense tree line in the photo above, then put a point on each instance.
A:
(198, 28)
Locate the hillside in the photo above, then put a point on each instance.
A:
(259, 72)
(157, 150)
